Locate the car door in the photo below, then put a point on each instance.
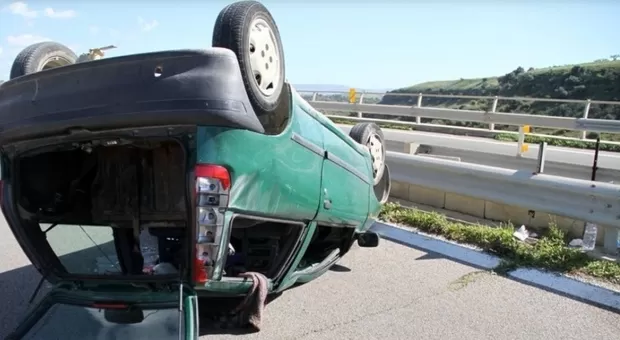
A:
(69, 312)
(345, 184)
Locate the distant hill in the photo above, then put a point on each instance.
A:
(599, 80)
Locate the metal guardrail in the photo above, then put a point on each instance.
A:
(491, 117)
(579, 199)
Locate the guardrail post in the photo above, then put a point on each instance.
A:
(359, 113)
(610, 240)
(521, 145)
(585, 116)
(418, 119)
(542, 156)
(493, 108)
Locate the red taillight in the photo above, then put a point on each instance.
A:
(200, 271)
(214, 171)
(212, 187)
(110, 305)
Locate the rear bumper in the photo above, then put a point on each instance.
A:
(195, 87)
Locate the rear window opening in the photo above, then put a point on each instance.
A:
(107, 207)
(261, 246)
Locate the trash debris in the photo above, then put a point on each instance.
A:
(521, 233)
(589, 236)
(576, 243)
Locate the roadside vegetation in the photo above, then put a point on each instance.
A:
(597, 80)
(549, 252)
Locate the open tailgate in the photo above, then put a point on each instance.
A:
(111, 313)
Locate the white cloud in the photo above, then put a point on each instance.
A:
(147, 25)
(24, 40)
(22, 9)
(54, 14)
(0, 50)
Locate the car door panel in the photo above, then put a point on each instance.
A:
(272, 175)
(345, 186)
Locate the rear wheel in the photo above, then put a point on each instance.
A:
(371, 136)
(248, 29)
(41, 56)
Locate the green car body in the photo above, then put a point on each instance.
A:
(310, 174)
(184, 145)
(266, 178)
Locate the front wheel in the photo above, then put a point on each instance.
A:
(371, 136)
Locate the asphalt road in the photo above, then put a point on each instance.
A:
(390, 292)
(566, 162)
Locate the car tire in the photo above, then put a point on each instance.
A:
(383, 188)
(371, 136)
(41, 56)
(248, 29)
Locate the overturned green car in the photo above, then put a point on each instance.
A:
(158, 180)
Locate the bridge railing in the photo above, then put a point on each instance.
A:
(490, 117)
(575, 199)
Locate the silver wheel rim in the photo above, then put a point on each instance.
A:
(264, 57)
(376, 149)
(53, 62)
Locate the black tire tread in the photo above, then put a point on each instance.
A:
(229, 33)
(360, 133)
(26, 60)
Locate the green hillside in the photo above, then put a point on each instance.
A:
(598, 80)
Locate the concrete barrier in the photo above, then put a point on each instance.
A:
(490, 210)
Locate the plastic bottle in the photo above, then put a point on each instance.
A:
(589, 236)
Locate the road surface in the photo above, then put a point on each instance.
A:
(610, 160)
(566, 162)
(390, 292)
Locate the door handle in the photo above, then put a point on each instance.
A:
(327, 204)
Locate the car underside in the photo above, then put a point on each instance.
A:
(140, 190)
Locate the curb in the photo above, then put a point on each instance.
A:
(554, 282)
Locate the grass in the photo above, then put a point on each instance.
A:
(452, 85)
(508, 137)
(548, 253)
(492, 82)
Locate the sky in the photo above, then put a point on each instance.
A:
(366, 44)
